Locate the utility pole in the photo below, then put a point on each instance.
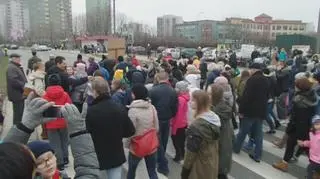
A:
(114, 16)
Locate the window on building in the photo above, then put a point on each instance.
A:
(273, 27)
(220, 36)
(248, 26)
(266, 27)
(290, 27)
(302, 28)
(285, 27)
(295, 28)
(278, 27)
(273, 34)
(284, 33)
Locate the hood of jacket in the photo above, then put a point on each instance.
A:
(228, 97)
(223, 110)
(140, 104)
(185, 96)
(305, 99)
(37, 75)
(193, 79)
(55, 92)
(211, 117)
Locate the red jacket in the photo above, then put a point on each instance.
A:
(181, 118)
(135, 62)
(57, 95)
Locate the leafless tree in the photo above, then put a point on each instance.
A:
(122, 22)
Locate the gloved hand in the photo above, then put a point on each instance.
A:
(76, 120)
(32, 114)
(185, 173)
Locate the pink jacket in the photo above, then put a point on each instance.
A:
(181, 118)
(314, 146)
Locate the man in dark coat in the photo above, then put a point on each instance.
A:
(49, 63)
(16, 80)
(165, 100)
(66, 82)
(33, 60)
(253, 110)
(108, 123)
(79, 60)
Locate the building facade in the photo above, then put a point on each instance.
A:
(3, 20)
(50, 20)
(99, 19)
(196, 31)
(166, 25)
(15, 20)
(318, 30)
(263, 27)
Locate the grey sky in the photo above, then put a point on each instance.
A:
(147, 11)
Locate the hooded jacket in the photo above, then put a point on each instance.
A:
(78, 92)
(36, 79)
(202, 145)
(193, 80)
(119, 97)
(57, 95)
(181, 118)
(303, 109)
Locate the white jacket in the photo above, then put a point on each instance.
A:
(36, 81)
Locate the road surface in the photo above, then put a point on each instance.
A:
(242, 166)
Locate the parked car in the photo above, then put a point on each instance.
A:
(139, 50)
(173, 52)
(189, 52)
(40, 47)
(14, 47)
(160, 49)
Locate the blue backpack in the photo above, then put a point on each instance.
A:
(105, 72)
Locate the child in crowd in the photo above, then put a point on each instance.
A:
(57, 129)
(118, 91)
(314, 148)
(179, 123)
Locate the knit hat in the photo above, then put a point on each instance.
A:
(191, 69)
(39, 147)
(182, 86)
(257, 66)
(316, 119)
(140, 91)
(300, 75)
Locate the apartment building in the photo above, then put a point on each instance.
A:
(99, 19)
(166, 25)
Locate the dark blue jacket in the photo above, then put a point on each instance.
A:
(165, 100)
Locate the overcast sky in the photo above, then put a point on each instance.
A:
(146, 11)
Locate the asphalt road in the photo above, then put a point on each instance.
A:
(242, 166)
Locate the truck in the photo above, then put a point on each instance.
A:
(288, 41)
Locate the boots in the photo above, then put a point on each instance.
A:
(282, 165)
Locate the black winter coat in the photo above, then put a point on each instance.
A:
(254, 101)
(108, 123)
(303, 109)
(16, 79)
(165, 100)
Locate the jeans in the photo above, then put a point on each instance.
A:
(178, 141)
(151, 162)
(114, 173)
(312, 169)
(58, 139)
(164, 128)
(271, 117)
(18, 107)
(251, 126)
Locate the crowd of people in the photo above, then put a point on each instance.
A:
(110, 105)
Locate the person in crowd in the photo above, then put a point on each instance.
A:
(303, 109)
(135, 62)
(282, 56)
(86, 166)
(202, 140)
(50, 63)
(183, 63)
(253, 110)
(245, 75)
(16, 80)
(196, 62)
(93, 66)
(214, 71)
(45, 160)
(199, 53)
(79, 60)
(109, 65)
(193, 76)
(149, 51)
(255, 54)
(36, 78)
(272, 120)
(314, 148)
(164, 98)
(107, 134)
(78, 92)
(136, 75)
(33, 60)
(118, 92)
(283, 84)
(179, 123)
(122, 65)
(167, 68)
(57, 129)
(66, 82)
(221, 97)
(176, 72)
(203, 72)
(144, 118)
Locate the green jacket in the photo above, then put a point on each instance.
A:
(202, 154)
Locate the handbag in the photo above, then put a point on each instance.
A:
(147, 143)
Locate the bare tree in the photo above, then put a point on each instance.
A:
(122, 22)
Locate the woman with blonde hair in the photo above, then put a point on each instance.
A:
(201, 157)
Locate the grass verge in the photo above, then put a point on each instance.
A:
(3, 77)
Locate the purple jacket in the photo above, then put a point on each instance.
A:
(93, 66)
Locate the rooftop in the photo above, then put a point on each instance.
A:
(264, 15)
